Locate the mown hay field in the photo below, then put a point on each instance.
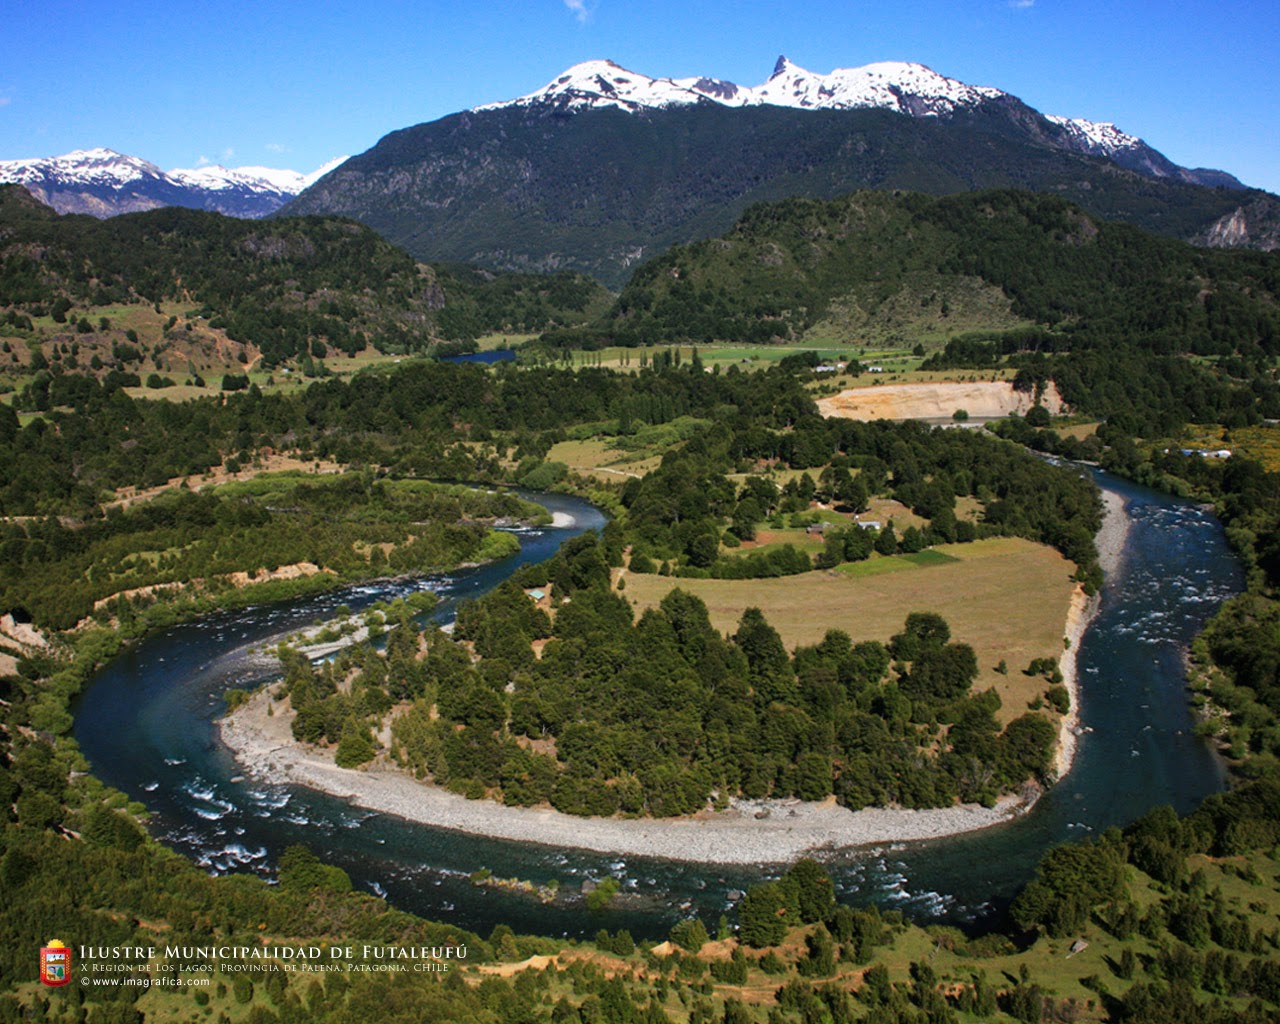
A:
(1008, 598)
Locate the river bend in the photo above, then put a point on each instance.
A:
(146, 724)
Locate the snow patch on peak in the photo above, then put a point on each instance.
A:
(217, 178)
(1099, 137)
(283, 182)
(310, 179)
(101, 167)
(603, 83)
(908, 88)
(103, 183)
(98, 154)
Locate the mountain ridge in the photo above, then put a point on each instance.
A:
(903, 86)
(102, 182)
(508, 187)
(670, 160)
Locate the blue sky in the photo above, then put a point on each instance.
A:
(291, 84)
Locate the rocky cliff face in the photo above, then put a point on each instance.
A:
(1255, 225)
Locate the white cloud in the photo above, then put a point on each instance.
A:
(580, 9)
(1022, 5)
(276, 147)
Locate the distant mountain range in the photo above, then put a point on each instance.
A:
(103, 183)
(604, 167)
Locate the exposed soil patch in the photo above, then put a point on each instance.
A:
(935, 401)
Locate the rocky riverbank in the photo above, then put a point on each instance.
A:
(1110, 542)
(749, 832)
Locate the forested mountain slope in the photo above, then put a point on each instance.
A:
(1148, 322)
(281, 285)
(547, 187)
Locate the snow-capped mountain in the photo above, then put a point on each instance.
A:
(214, 177)
(103, 183)
(603, 166)
(602, 83)
(1100, 137)
(906, 88)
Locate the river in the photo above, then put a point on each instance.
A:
(146, 724)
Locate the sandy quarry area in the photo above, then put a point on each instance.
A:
(980, 399)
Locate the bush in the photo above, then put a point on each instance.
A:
(355, 748)
(691, 935)
(602, 895)
(764, 915)
(544, 475)
(301, 871)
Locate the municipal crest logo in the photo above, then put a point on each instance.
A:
(55, 963)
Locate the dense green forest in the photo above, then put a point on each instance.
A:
(404, 422)
(808, 726)
(340, 528)
(287, 286)
(661, 716)
(777, 272)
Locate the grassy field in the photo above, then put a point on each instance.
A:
(596, 457)
(745, 357)
(1006, 597)
(1078, 428)
(488, 342)
(768, 537)
(893, 359)
(885, 510)
(895, 563)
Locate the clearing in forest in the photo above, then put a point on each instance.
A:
(1006, 597)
